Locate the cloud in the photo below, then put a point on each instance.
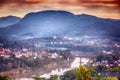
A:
(19, 3)
(111, 3)
(75, 6)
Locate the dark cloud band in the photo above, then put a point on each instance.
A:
(113, 5)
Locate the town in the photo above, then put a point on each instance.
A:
(24, 55)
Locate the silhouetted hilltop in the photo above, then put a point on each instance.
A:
(51, 22)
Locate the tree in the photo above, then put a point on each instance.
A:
(2, 77)
(38, 78)
(83, 74)
(53, 77)
(70, 75)
(110, 78)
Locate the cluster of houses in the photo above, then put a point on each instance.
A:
(28, 53)
(5, 52)
(110, 65)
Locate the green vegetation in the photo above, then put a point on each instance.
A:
(81, 73)
(110, 78)
(53, 77)
(111, 58)
(109, 64)
(37, 78)
(2, 77)
(14, 62)
(7, 64)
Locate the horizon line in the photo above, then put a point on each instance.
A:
(59, 10)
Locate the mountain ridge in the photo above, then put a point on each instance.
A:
(52, 22)
(8, 20)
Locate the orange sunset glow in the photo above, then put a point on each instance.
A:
(100, 8)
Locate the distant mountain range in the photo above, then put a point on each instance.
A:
(8, 21)
(62, 23)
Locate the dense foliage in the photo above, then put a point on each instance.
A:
(81, 73)
(23, 62)
(2, 77)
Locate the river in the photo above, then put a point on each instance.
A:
(60, 71)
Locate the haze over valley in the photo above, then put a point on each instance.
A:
(55, 42)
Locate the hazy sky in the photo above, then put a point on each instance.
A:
(100, 8)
